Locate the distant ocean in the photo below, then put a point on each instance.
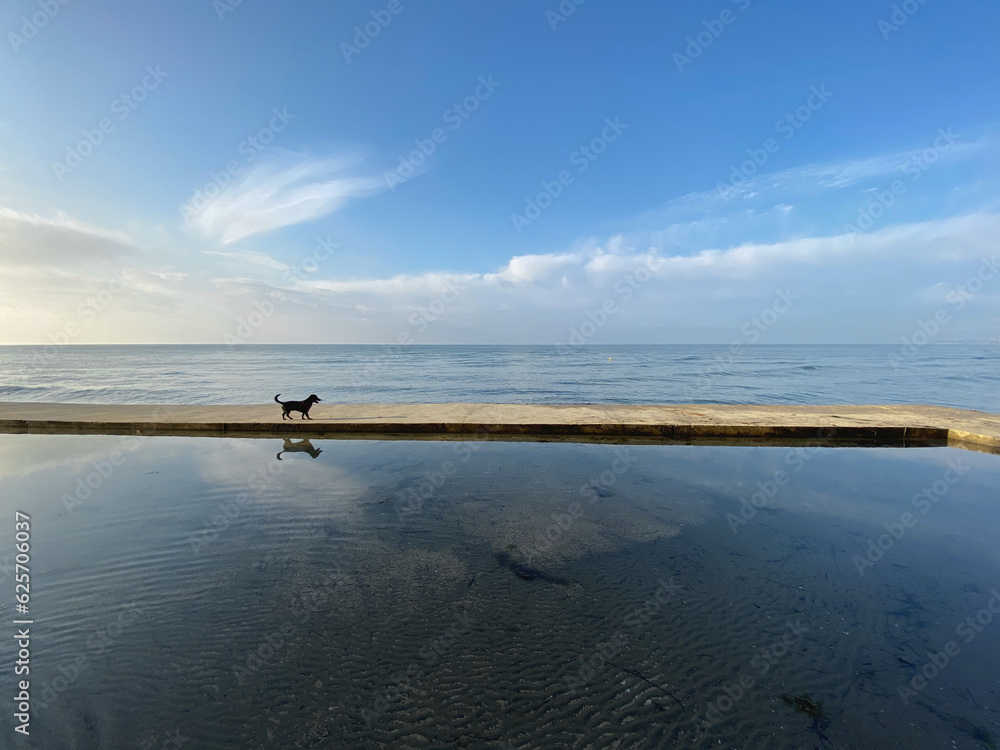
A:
(964, 376)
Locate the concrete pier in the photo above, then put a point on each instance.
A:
(685, 423)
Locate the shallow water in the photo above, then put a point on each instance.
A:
(966, 377)
(502, 595)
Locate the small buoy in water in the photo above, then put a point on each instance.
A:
(609, 359)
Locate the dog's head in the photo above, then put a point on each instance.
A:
(313, 399)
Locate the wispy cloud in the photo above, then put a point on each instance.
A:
(810, 200)
(34, 239)
(740, 204)
(811, 179)
(289, 190)
(249, 256)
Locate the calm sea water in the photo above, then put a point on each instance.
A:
(367, 594)
(959, 376)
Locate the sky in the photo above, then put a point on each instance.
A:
(515, 171)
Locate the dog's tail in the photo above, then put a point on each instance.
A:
(276, 399)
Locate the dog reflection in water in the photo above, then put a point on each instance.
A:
(300, 446)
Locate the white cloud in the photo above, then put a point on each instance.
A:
(249, 256)
(34, 239)
(531, 298)
(529, 269)
(400, 285)
(290, 190)
(169, 275)
(957, 240)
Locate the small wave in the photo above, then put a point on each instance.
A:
(18, 392)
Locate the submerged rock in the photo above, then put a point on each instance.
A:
(528, 572)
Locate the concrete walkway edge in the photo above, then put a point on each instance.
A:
(870, 425)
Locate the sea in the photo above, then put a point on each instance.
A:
(962, 376)
(310, 593)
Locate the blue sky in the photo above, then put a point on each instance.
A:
(247, 182)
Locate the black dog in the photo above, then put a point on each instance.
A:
(302, 406)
